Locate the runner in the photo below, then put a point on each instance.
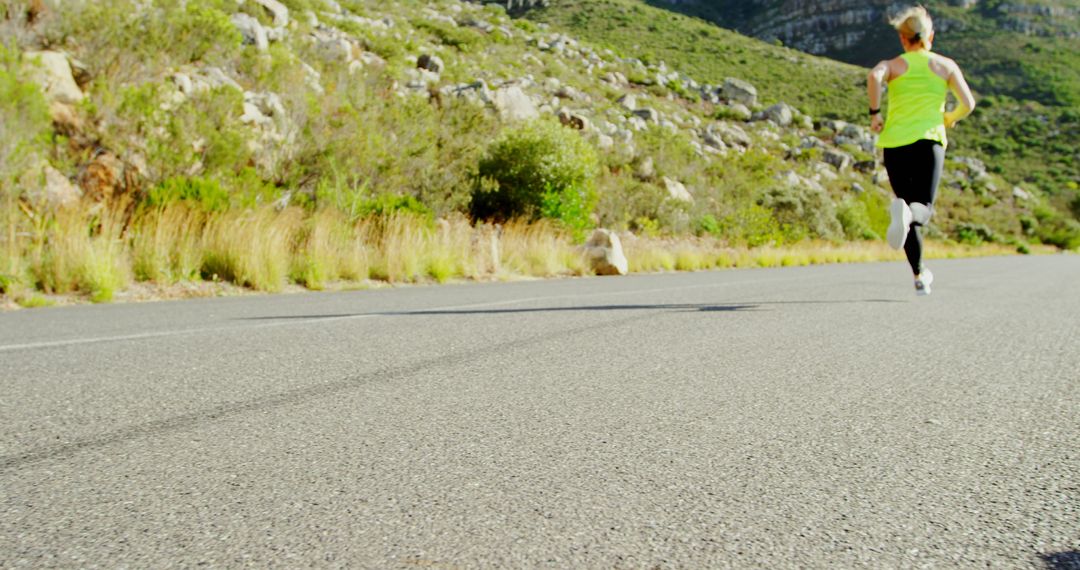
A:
(914, 135)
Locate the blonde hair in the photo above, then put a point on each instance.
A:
(915, 25)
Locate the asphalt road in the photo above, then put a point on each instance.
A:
(818, 417)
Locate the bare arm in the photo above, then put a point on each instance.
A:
(874, 82)
(960, 89)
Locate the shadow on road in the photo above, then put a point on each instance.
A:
(673, 307)
(1062, 560)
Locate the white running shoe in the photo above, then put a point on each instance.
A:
(923, 281)
(900, 213)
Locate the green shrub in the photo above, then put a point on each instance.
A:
(24, 119)
(387, 204)
(855, 220)
(204, 194)
(529, 161)
(802, 210)
(571, 207)
(975, 234)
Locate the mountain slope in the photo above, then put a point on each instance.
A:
(1026, 127)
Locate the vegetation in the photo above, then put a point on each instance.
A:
(203, 157)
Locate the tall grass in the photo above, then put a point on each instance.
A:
(537, 249)
(80, 248)
(166, 244)
(250, 248)
(96, 251)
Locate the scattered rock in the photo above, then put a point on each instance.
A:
(253, 32)
(277, 10)
(605, 253)
(105, 177)
(645, 170)
(740, 111)
(732, 135)
(573, 120)
(865, 166)
(1020, 194)
(65, 118)
(739, 91)
(513, 104)
(628, 102)
(432, 63)
(51, 70)
(677, 190)
(838, 158)
(648, 114)
(55, 189)
(779, 114)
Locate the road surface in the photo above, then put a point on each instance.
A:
(819, 417)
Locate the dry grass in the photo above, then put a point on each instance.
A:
(80, 248)
(166, 244)
(89, 250)
(328, 249)
(538, 250)
(250, 248)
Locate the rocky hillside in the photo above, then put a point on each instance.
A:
(361, 105)
(1026, 76)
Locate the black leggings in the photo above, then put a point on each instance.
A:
(914, 172)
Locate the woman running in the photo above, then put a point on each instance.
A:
(914, 134)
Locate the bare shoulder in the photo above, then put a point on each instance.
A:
(944, 67)
(946, 62)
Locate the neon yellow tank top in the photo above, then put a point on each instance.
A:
(916, 104)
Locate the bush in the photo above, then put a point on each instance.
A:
(387, 204)
(530, 161)
(206, 195)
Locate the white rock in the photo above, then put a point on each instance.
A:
(52, 71)
(57, 190)
(513, 104)
(252, 31)
(276, 9)
(677, 190)
(739, 91)
(605, 253)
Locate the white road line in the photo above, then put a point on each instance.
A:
(312, 320)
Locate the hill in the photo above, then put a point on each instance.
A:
(274, 117)
(1022, 61)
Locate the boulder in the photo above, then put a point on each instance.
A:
(605, 253)
(677, 190)
(56, 189)
(51, 70)
(513, 104)
(628, 102)
(1020, 194)
(648, 115)
(713, 140)
(604, 142)
(567, 92)
(740, 111)
(780, 114)
(838, 158)
(276, 10)
(739, 91)
(573, 120)
(66, 118)
(253, 32)
(646, 169)
(731, 134)
(104, 177)
(432, 63)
